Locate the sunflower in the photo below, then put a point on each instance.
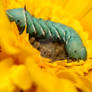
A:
(21, 66)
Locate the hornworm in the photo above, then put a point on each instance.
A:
(48, 30)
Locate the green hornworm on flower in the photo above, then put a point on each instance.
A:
(48, 30)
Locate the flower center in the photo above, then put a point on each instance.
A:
(53, 50)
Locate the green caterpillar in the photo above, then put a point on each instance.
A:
(48, 30)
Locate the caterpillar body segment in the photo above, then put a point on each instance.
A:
(45, 28)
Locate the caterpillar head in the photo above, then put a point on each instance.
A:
(76, 49)
(17, 15)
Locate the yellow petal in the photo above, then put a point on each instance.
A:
(6, 36)
(86, 21)
(5, 66)
(85, 85)
(46, 81)
(41, 78)
(65, 85)
(20, 77)
(77, 8)
(8, 4)
(5, 83)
